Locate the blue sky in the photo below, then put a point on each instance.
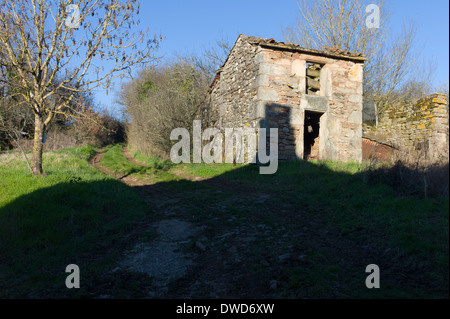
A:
(189, 26)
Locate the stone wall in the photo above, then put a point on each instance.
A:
(233, 95)
(263, 86)
(421, 126)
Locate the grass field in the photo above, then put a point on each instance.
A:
(74, 215)
(411, 234)
(312, 228)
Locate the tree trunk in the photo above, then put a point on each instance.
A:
(38, 146)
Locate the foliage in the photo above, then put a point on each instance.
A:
(159, 100)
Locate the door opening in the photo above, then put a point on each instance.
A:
(311, 135)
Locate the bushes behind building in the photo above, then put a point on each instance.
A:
(159, 100)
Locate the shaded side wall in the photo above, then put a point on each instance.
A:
(234, 94)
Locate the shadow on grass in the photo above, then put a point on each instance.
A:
(83, 223)
(308, 231)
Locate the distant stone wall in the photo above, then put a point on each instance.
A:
(421, 126)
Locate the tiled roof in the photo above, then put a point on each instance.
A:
(330, 52)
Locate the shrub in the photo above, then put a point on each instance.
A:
(413, 173)
(160, 100)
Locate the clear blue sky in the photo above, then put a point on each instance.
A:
(189, 26)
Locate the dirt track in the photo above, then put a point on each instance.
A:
(129, 180)
(219, 238)
(164, 259)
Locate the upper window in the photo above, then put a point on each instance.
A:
(313, 78)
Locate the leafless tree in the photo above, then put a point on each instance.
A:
(85, 43)
(211, 58)
(343, 24)
(14, 125)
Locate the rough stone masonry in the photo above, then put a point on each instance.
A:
(313, 97)
(421, 125)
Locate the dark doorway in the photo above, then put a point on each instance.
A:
(311, 135)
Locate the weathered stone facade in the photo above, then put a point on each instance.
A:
(421, 125)
(313, 97)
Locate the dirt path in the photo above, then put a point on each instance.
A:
(217, 182)
(208, 258)
(232, 240)
(165, 258)
(95, 161)
(127, 179)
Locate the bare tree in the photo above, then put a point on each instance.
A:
(343, 24)
(212, 57)
(14, 124)
(417, 87)
(72, 40)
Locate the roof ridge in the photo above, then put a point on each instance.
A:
(282, 45)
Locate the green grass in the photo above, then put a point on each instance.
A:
(346, 202)
(201, 169)
(409, 234)
(323, 210)
(338, 193)
(153, 162)
(115, 160)
(206, 170)
(74, 215)
(413, 230)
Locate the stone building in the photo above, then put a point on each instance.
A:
(313, 97)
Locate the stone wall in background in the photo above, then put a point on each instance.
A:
(421, 126)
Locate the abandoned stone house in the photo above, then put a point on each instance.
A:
(313, 97)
